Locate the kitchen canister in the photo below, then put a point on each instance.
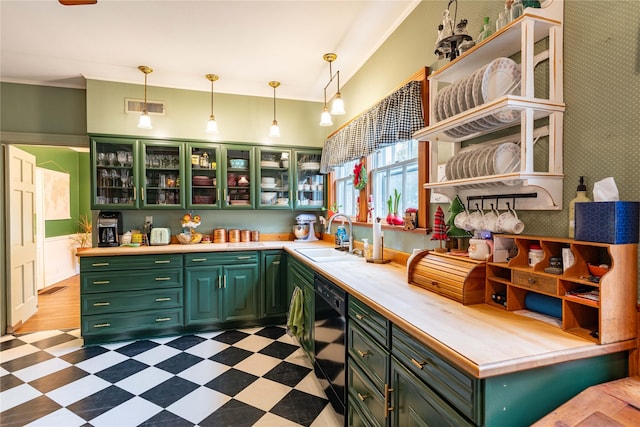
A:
(245, 236)
(219, 235)
(255, 235)
(233, 235)
(536, 254)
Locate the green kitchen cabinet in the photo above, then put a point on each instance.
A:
(203, 181)
(274, 277)
(308, 183)
(130, 297)
(114, 173)
(221, 287)
(273, 178)
(302, 276)
(238, 183)
(162, 175)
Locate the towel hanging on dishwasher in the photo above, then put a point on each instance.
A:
(295, 320)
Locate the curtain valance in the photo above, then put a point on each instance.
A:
(394, 119)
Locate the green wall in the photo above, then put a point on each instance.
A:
(240, 118)
(76, 164)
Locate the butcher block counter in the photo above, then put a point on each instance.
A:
(482, 340)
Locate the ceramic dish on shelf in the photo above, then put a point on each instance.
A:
(269, 164)
(309, 165)
(239, 163)
(477, 86)
(453, 99)
(501, 78)
(239, 202)
(439, 103)
(460, 98)
(268, 186)
(449, 172)
(468, 90)
(506, 158)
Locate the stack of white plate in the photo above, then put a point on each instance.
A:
(268, 182)
(499, 78)
(487, 160)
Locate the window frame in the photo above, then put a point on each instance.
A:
(424, 165)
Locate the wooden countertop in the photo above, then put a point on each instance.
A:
(482, 340)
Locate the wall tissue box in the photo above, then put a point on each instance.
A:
(608, 222)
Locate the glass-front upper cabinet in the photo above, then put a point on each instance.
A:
(309, 183)
(114, 176)
(162, 174)
(239, 183)
(203, 182)
(274, 179)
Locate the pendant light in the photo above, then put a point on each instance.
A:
(145, 120)
(337, 108)
(275, 129)
(212, 125)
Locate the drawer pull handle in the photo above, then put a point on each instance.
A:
(101, 304)
(531, 281)
(363, 396)
(100, 264)
(419, 365)
(163, 299)
(162, 261)
(359, 316)
(387, 408)
(162, 279)
(198, 259)
(219, 282)
(363, 353)
(163, 319)
(102, 325)
(434, 283)
(224, 281)
(101, 282)
(244, 257)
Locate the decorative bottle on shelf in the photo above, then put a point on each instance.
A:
(516, 9)
(581, 196)
(486, 30)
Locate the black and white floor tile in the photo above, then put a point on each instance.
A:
(248, 377)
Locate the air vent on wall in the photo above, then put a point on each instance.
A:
(137, 105)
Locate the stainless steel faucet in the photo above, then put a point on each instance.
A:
(350, 228)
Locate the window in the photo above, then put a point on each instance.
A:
(346, 195)
(395, 168)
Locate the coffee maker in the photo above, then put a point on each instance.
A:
(109, 229)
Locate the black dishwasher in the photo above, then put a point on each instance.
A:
(330, 338)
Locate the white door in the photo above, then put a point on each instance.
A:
(23, 293)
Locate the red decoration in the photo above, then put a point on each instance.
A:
(439, 227)
(359, 176)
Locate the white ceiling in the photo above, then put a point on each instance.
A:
(247, 43)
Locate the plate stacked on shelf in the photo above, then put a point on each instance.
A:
(499, 78)
(485, 160)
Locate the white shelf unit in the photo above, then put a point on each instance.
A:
(520, 36)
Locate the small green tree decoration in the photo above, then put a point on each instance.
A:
(454, 232)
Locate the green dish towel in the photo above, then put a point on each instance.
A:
(295, 322)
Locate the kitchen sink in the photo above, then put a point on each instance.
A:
(325, 254)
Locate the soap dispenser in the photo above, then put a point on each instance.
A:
(581, 196)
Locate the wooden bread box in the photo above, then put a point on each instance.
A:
(459, 278)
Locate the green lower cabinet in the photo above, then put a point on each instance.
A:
(302, 277)
(274, 276)
(203, 292)
(412, 403)
(240, 285)
(216, 294)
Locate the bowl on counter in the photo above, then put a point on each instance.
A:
(239, 163)
(598, 270)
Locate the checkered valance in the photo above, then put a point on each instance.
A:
(394, 119)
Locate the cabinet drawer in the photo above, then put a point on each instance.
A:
(110, 302)
(365, 394)
(370, 356)
(369, 320)
(215, 258)
(129, 262)
(98, 324)
(457, 388)
(131, 280)
(536, 282)
(305, 272)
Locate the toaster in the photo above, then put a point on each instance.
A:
(160, 236)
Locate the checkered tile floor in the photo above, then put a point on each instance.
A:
(245, 377)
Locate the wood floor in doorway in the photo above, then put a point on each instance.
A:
(60, 310)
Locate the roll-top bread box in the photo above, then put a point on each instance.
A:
(459, 278)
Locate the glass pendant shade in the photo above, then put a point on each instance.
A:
(337, 107)
(145, 121)
(275, 130)
(325, 118)
(212, 125)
